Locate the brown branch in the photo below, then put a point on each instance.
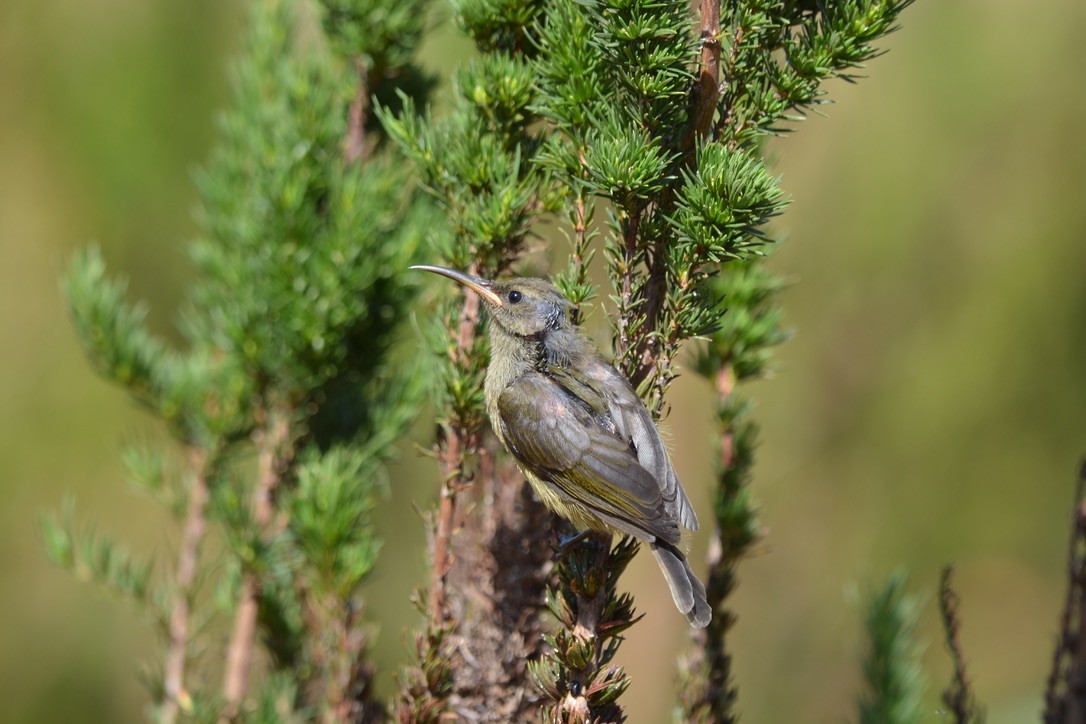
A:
(625, 314)
(707, 93)
(708, 692)
(456, 444)
(725, 386)
(240, 652)
(177, 697)
(655, 293)
(1065, 693)
(272, 444)
(659, 353)
(958, 696)
(652, 354)
(1076, 675)
(579, 258)
(355, 149)
(656, 352)
(349, 679)
(443, 531)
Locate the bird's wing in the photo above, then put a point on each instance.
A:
(556, 437)
(633, 422)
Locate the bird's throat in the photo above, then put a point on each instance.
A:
(510, 357)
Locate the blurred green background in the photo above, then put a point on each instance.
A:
(931, 407)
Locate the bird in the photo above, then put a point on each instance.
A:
(578, 430)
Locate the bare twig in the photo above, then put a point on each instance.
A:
(725, 386)
(240, 652)
(958, 696)
(648, 346)
(458, 442)
(349, 683)
(628, 271)
(1065, 693)
(177, 696)
(579, 256)
(355, 149)
(273, 447)
(709, 693)
(720, 693)
(708, 91)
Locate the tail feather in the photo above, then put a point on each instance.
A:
(686, 589)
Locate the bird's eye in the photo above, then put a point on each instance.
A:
(515, 296)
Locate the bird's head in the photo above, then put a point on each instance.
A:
(523, 307)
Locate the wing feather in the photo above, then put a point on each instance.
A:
(556, 436)
(633, 423)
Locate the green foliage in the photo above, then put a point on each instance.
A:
(302, 255)
(330, 516)
(624, 135)
(94, 557)
(290, 353)
(148, 472)
(777, 56)
(750, 327)
(721, 208)
(892, 675)
(111, 330)
(381, 34)
(498, 25)
(477, 162)
(737, 350)
(649, 51)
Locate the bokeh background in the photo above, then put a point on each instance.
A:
(931, 407)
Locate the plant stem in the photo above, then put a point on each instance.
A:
(354, 143)
(579, 255)
(708, 93)
(958, 696)
(721, 579)
(626, 342)
(273, 452)
(455, 445)
(1065, 694)
(725, 386)
(177, 697)
(594, 550)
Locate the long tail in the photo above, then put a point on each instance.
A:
(687, 590)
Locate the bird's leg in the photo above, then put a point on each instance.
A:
(568, 540)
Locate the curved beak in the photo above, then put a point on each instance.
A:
(476, 284)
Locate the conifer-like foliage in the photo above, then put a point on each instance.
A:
(640, 125)
(287, 394)
(894, 682)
